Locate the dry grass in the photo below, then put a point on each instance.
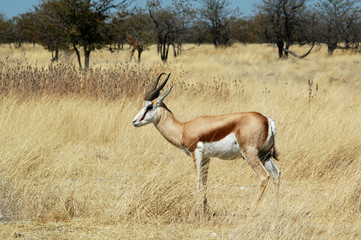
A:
(74, 167)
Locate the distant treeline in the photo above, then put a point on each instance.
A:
(86, 25)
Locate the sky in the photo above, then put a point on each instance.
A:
(13, 8)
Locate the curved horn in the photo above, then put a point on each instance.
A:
(156, 82)
(163, 84)
(154, 92)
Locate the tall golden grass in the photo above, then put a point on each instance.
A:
(74, 167)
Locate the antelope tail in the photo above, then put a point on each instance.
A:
(274, 153)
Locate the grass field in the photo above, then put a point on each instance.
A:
(74, 167)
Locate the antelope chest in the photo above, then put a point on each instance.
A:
(226, 148)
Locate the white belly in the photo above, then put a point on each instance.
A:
(227, 148)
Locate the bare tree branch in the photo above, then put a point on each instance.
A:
(302, 56)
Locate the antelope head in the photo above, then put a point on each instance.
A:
(150, 113)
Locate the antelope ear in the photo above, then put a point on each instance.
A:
(164, 95)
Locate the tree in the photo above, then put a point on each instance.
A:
(215, 15)
(14, 31)
(339, 21)
(118, 29)
(139, 32)
(37, 26)
(134, 27)
(83, 23)
(4, 26)
(25, 27)
(170, 24)
(241, 30)
(52, 34)
(281, 19)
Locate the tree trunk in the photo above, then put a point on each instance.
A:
(164, 52)
(287, 47)
(78, 55)
(140, 50)
(330, 48)
(179, 49)
(215, 42)
(159, 48)
(86, 57)
(280, 45)
(174, 50)
(131, 54)
(56, 56)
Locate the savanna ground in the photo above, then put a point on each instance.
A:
(74, 167)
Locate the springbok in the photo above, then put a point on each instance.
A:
(250, 135)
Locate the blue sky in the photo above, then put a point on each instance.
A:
(12, 8)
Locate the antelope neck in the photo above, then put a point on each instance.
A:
(170, 128)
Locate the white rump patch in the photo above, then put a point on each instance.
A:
(270, 135)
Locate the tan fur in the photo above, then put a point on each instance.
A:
(250, 128)
(226, 136)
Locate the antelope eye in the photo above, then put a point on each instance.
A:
(150, 107)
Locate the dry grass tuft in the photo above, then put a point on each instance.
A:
(74, 167)
(121, 81)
